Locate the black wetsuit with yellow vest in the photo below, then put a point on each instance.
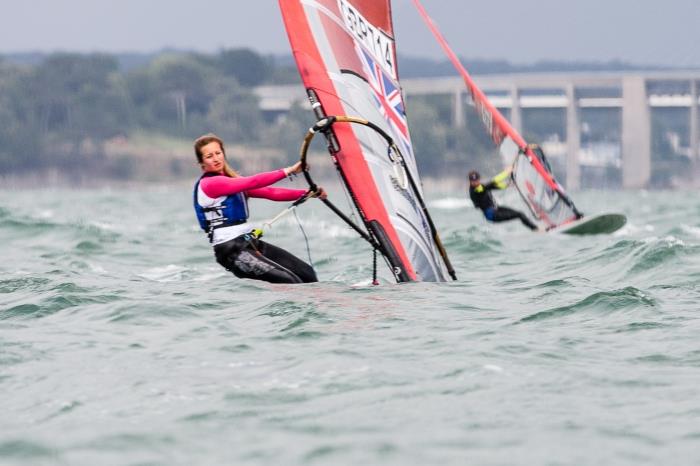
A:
(483, 199)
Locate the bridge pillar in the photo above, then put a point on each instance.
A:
(694, 123)
(516, 114)
(573, 140)
(694, 134)
(636, 133)
(458, 107)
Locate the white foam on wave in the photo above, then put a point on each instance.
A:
(103, 226)
(673, 241)
(96, 268)
(449, 203)
(493, 368)
(209, 276)
(630, 229)
(168, 273)
(669, 240)
(363, 284)
(692, 230)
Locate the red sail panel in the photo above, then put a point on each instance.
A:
(345, 53)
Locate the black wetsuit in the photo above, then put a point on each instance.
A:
(249, 257)
(483, 199)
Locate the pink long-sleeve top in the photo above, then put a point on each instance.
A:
(252, 186)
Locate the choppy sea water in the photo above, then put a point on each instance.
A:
(122, 342)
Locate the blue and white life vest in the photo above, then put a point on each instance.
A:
(222, 218)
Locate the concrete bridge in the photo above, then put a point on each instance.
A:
(633, 94)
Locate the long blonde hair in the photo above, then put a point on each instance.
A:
(209, 138)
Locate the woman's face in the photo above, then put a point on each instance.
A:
(212, 158)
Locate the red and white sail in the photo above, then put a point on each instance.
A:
(346, 56)
(532, 175)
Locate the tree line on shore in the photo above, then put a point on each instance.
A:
(61, 111)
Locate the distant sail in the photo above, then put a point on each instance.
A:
(532, 174)
(346, 56)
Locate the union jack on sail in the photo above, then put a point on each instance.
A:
(387, 96)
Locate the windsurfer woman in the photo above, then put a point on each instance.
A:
(220, 202)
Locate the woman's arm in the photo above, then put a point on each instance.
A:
(276, 194)
(217, 186)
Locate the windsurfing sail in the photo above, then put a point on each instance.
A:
(532, 174)
(346, 56)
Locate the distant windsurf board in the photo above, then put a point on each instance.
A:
(592, 225)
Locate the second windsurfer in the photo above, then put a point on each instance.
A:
(482, 198)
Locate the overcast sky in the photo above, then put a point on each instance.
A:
(664, 32)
